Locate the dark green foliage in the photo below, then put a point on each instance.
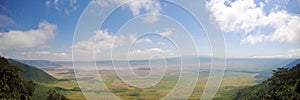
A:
(13, 85)
(53, 95)
(32, 73)
(283, 85)
(40, 92)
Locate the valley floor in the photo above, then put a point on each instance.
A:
(232, 82)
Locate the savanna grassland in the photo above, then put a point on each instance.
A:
(232, 82)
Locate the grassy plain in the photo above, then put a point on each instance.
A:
(232, 82)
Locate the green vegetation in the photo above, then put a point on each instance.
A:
(53, 95)
(13, 85)
(32, 73)
(233, 81)
(40, 92)
(283, 85)
(126, 92)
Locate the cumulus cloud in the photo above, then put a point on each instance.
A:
(149, 6)
(248, 16)
(18, 39)
(102, 40)
(288, 31)
(240, 15)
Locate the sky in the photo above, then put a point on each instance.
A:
(143, 29)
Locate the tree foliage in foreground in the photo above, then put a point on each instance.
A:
(13, 85)
(283, 85)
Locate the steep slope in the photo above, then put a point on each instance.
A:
(283, 85)
(32, 73)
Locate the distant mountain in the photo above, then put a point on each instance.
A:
(32, 73)
(39, 63)
(292, 64)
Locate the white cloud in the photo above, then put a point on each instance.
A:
(66, 6)
(247, 16)
(150, 6)
(104, 3)
(47, 3)
(102, 40)
(289, 32)
(134, 38)
(293, 53)
(149, 51)
(26, 53)
(17, 39)
(47, 55)
(43, 53)
(144, 40)
(240, 16)
(167, 32)
(151, 18)
(60, 54)
(252, 39)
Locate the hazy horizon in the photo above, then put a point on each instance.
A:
(50, 33)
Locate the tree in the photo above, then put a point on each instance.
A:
(283, 85)
(13, 85)
(53, 95)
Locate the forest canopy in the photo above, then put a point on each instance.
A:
(283, 85)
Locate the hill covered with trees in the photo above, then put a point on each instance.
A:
(32, 73)
(283, 85)
(19, 81)
(13, 85)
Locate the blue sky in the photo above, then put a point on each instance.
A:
(44, 29)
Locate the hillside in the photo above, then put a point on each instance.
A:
(283, 85)
(32, 73)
